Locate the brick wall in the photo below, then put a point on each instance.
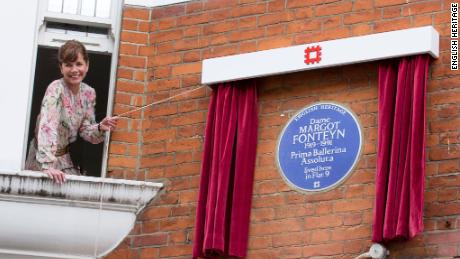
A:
(160, 55)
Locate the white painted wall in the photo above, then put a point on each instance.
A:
(17, 26)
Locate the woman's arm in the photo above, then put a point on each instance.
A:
(89, 129)
(47, 128)
(47, 132)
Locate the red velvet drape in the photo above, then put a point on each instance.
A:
(398, 211)
(227, 174)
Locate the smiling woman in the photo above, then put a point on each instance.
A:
(67, 110)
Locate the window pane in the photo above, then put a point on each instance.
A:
(103, 8)
(70, 6)
(96, 32)
(87, 7)
(55, 27)
(55, 6)
(78, 30)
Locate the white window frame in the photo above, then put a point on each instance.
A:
(46, 38)
(153, 3)
(109, 45)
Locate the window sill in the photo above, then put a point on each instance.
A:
(85, 217)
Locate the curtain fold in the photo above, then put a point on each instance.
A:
(227, 174)
(398, 210)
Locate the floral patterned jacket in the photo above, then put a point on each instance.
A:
(63, 115)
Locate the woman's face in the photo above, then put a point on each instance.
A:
(74, 72)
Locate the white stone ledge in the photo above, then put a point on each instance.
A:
(29, 186)
(85, 217)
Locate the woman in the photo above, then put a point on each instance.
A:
(67, 110)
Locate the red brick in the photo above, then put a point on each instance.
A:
(160, 160)
(220, 27)
(275, 18)
(361, 29)
(129, 25)
(392, 25)
(168, 11)
(288, 239)
(275, 227)
(353, 205)
(443, 238)
(131, 137)
(248, 10)
(184, 169)
(246, 34)
(122, 254)
(193, 19)
(363, 16)
(420, 8)
(349, 233)
(189, 68)
(391, 12)
(323, 249)
(247, 23)
(320, 236)
(178, 237)
(164, 24)
(128, 49)
(267, 201)
(130, 86)
(176, 223)
(381, 3)
(335, 8)
(276, 5)
(165, 84)
(189, 118)
(218, 4)
(124, 73)
(136, 13)
(362, 5)
(177, 250)
(132, 61)
(143, 26)
(276, 42)
(158, 135)
(259, 242)
(134, 37)
(193, 7)
(167, 35)
(291, 211)
(122, 161)
(327, 221)
(148, 253)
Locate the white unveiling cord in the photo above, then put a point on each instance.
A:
(122, 115)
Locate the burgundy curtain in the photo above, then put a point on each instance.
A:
(227, 174)
(398, 211)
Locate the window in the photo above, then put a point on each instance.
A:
(94, 23)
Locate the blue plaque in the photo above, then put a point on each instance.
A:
(319, 147)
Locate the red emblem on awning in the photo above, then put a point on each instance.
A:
(313, 54)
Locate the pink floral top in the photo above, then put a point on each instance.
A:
(63, 115)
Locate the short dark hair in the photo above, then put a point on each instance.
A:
(69, 52)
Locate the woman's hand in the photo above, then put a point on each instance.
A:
(108, 123)
(57, 175)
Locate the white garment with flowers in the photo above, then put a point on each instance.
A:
(63, 115)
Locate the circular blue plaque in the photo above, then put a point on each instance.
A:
(319, 147)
